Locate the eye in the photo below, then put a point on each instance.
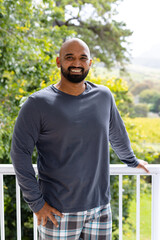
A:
(69, 58)
(84, 58)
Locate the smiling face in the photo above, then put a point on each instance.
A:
(74, 60)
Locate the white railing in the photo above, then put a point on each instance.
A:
(115, 169)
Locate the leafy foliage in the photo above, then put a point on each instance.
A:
(139, 110)
(151, 97)
(105, 36)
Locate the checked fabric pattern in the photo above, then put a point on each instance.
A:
(93, 224)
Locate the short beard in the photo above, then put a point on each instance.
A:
(74, 78)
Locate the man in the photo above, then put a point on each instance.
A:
(71, 124)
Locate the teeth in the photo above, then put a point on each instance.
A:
(76, 70)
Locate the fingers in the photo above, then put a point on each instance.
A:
(55, 211)
(46, 211)
(44, 221)
(54, 220)
(144, 162)
(39, 220)
(145, 168)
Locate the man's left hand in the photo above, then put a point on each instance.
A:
(142, 164)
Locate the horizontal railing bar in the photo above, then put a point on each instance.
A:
(7, 169)
(115, 169)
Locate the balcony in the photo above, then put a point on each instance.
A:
(115, 169)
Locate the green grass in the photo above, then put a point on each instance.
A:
(148, 128)
(145, 219)
(145, 131)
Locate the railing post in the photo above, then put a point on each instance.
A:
(155, 207)
(120, 208)
(34, 227)
(2, 208)
(138, 209)
(18, 210)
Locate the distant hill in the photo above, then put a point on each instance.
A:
(140, 73)
(137, 73)
(150, 58)
(145, 67)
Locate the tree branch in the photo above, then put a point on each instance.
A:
(95, 28)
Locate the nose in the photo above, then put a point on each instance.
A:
(76, 63)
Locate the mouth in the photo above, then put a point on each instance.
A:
(75, 70)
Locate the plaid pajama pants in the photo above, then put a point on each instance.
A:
(93, 224)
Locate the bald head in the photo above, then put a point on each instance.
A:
(74, 60)
(74, 44)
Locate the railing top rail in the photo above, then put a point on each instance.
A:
(115, 169)
(118, 169)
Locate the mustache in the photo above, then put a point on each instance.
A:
(76, 68)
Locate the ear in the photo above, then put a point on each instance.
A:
(90, 63)
(58, 62)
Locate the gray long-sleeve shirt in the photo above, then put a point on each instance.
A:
(72, 135)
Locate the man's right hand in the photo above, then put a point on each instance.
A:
(46, 211)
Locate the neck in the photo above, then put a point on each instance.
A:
(71, 88)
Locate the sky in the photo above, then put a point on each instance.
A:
(143, 18)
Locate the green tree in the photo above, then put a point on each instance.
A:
(27, 61)
(30, 37)
(140, 110)
(151, 97)
(94, 22)
(156, 105)
(137, 88)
